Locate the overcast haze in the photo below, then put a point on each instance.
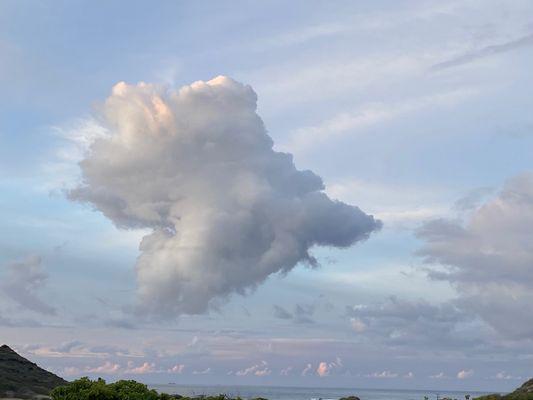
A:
(269, 193)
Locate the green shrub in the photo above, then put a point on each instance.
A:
(86, 389)
(511, 396)
(131, 390)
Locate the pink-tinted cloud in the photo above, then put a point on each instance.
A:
(145, 368)
(464, 374)
(107, 368)
(177, 369)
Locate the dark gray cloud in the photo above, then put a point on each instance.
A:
(489, 258)
(302, 313)
(523, 41)
(281, 313)
(197, 167)
(22, 281)
(67, 347)
(413, 324)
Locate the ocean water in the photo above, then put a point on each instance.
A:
(300, 393)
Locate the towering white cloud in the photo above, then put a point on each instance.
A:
(197, 167)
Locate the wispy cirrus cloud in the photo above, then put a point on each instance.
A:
(358, 121)
(487, 51)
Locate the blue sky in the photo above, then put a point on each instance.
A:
(414, 111)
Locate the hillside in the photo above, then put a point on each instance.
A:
(524, 392)
(22, 378)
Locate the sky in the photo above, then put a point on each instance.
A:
(293, 193)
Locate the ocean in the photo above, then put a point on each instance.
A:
(302, 393)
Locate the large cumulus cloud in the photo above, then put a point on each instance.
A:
(489, 257)
(196, 166)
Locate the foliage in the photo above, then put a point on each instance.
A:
(86, 389)
(490, 397)
(511, 396)
(524, 392)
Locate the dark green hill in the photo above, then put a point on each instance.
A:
(22, 378)
(524, 392)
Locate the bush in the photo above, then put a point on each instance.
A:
(511, 396)
(86, 389)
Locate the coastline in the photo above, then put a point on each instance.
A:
(310, 393)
